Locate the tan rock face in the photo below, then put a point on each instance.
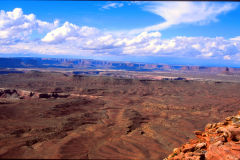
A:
(219, 141)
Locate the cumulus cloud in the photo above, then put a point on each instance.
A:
(69, 31)
(235, 38)
(138, 39)
(113, 5)
(15, 26)
(227, 57)
(175, 13)
(71, 39)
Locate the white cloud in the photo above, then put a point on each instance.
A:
(143, 44)
(195, 47)
(227, 57)
(139, 39)
(15, 26)
(175, 13)
(69, 31)
(235, 38)
(71, 39)
(113, 5)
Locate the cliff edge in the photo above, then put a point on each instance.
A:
(219, 141)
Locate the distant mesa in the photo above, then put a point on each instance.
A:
(174, 78)
(227, 71)
(12, 63)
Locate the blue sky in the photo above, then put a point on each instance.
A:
(184, 33)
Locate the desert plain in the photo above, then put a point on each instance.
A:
(64, 115)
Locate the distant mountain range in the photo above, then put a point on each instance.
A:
(97, 64)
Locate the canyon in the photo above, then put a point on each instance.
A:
(64, 115)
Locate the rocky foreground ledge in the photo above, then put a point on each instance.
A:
(219, 141)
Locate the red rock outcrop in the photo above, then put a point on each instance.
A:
(219, 141)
